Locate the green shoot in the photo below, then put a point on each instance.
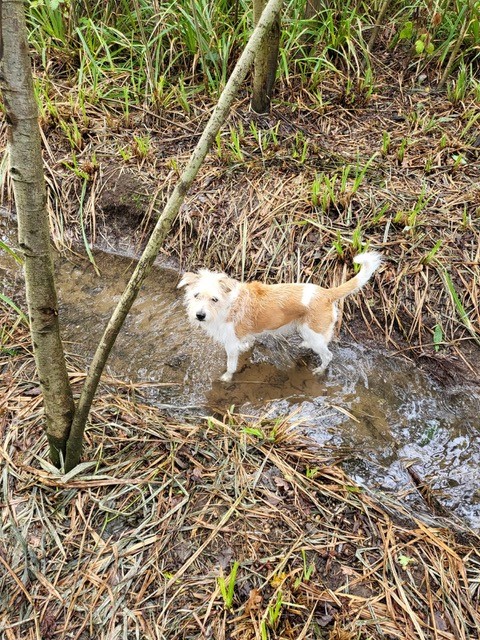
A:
(437, 336)
(82, 226)
(386, 140)
(227, 587)
(457, 303)
(432, 253)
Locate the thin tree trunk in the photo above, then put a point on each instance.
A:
(167, 218)
(383, 9)
(311, 13)
(266, 61)
(26, 170)
(312, 9)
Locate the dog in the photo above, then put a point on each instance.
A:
(235, 313)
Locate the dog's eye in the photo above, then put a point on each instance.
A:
(214, 299)
(195, 295)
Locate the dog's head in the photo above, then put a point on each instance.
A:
(208, 294)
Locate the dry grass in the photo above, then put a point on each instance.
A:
(274, 201)
(137, 542)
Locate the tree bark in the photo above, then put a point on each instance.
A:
(311, 13)
(266, 61)
(373, 37)
(164, 223)
(26, 170)
(312, 9)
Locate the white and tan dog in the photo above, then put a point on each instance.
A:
(235, 313)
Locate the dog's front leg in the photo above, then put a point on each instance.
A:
(232, 362)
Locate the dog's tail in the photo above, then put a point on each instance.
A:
(369, 262)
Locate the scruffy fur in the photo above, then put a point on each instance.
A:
(235, 313)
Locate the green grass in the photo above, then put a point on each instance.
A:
(6, 300)
(11, 252)
(460, 310)
(227, 587)
(124, 53)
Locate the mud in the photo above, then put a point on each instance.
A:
(379, 410)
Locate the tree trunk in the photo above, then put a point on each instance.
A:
(312, 9)
(376, 28)
(164, 223)
(26, 170)
(311, 13)
(266, 61)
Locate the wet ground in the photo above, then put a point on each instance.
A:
(381, 410)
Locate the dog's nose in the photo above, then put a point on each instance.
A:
(201, 315)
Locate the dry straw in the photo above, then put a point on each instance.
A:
(136, 541)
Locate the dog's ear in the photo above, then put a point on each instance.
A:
(188, 278)
(227, 284)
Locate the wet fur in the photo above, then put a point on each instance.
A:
(235, 313)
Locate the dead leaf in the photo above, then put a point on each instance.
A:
(440, 623)
(254, 601)
(197, 473)
(281, 483)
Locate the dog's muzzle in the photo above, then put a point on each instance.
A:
(201, 315)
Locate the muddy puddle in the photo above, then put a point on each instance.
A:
(381, 411)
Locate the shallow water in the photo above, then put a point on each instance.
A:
(382, 411)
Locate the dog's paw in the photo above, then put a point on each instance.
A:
(319, 370)
(227, 377)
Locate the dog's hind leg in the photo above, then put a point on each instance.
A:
(318, 343)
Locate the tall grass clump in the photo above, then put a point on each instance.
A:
(146, 45)
(151, 52)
